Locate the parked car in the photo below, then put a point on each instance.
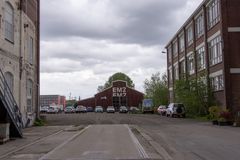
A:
(69, 109)
(162, 110)
(44, 109)
(90, 109)
(123, 109)
(81, 109)
(110, 109)
(52, 110)
(176, 110)
(98, 109)
(134, 110)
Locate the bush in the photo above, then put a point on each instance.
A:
(214, 112)
(225, 115)
(39, 122)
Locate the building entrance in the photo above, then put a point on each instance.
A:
(119, 101)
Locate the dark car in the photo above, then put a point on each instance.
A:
(90, 109)
(123, 109)
(176, 110)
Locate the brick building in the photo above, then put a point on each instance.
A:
(47, 100)
(209, 44)
(119, 94)
(19, 60)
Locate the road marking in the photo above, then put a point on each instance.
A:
(64, 143)
(139, 147)
(27, 145)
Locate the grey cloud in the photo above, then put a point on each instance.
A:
(146, 22)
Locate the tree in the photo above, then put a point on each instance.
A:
(119, 76)
(194, 94)
(156, 88)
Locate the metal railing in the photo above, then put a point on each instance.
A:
(11, 107)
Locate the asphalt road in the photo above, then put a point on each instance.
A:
(100, 142)
(168, 138)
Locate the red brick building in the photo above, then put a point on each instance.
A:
(47, 100)
(119, 94)
(208, 46)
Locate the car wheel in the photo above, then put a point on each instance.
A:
(184, 116)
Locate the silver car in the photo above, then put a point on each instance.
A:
(81, 109)
(69, 109)
(110, 109)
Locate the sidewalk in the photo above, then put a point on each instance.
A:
(30, 136)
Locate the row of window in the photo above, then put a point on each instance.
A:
(29, 88)
(9, 30)
(215, 56)
(213, 17)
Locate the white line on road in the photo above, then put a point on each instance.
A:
(64, 143)
(139, 147)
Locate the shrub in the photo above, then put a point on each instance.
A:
(225, 115)
(39, 122)
(214, 112)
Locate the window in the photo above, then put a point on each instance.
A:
(201, 59)
(181, 42)
(170, 75)
(10, 80)
(199, 26)
(29, 96)
(30, 50)
(175, 48)
(175, 72)
(190, 35)
(213, 13)
(169, 51)
(182, 68)
(215, 51)
(9, 27)
(190, 64)
(217, 83)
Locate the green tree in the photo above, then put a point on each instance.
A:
(156, 88)
(195, 95)
(119, 76)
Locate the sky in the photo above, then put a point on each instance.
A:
(84, 42)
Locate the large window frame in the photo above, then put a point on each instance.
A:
(29, 89)
(199, 25)
(190, 64)
(215, 50)
(30, 49)
(217, 83)
(9, 22)
(190, 35)
(175, 48)
(213, 13)
(201, 61)
(181, 43)
(169, 52)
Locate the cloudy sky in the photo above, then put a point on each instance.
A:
(83, 42)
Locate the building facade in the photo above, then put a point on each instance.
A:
(19, 53)
(47, 100)
(208, 45)
(119, 94)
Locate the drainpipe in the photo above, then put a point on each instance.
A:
(20, 56)
(38, 59)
